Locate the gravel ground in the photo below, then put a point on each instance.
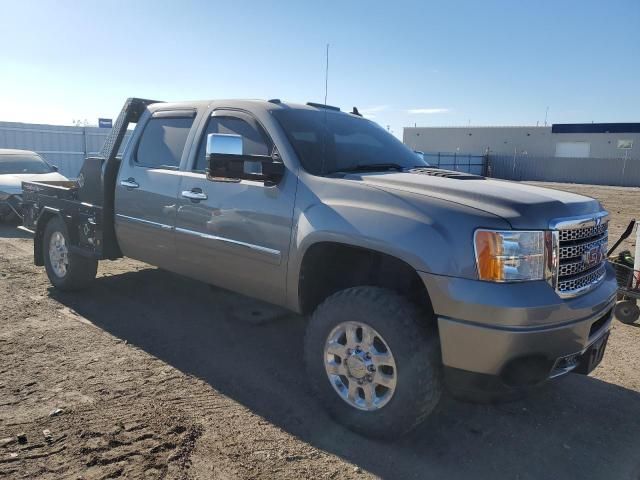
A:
(151, 375)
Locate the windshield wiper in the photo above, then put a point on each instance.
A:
(371, 167)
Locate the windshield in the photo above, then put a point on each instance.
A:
(328, 142)
(23, 163)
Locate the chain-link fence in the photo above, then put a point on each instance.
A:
(598, 171)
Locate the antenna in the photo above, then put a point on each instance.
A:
(326, 76)
(326, 88)
(546, 113)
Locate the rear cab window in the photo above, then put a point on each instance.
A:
(163, 140)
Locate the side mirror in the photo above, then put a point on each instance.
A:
(227, 162)
(54, 168)
(227, 144)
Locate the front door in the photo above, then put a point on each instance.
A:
(235, 234)
(147, 189)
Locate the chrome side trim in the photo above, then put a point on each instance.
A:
(258, 248)
(163, 226)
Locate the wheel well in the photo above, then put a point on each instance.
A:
(329, 267)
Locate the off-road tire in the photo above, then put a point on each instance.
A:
(415, 347)
(81, 271)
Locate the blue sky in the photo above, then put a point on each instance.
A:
(402, 62)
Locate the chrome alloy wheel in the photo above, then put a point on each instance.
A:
(360, 366)
(58, 254)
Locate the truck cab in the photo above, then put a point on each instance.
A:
(413, 278)
(170, 212)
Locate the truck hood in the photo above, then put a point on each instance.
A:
(523, 206)
(12, 183)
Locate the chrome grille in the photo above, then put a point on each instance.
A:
(576, 249)
(576, 272)
(572, 268)
(585, 232)
(580, 281)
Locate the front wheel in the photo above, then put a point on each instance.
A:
(66, 270)
(372, 362)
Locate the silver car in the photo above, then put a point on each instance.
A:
(17, 166)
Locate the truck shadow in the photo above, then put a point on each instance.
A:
(579, 427)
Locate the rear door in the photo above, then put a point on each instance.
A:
(235, 234)
(147, 188)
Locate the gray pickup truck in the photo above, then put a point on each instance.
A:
(414, 278)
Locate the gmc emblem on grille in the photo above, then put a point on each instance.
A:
(593, 256)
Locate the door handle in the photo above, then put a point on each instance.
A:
(129, 183)
(195, 194)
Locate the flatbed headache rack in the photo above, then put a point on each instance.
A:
(86, 205)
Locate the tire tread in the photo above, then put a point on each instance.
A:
(419, 337)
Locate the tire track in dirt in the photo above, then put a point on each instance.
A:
(125, 413)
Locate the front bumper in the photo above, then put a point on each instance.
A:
(497, 338)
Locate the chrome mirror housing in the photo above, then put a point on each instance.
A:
(224, 143)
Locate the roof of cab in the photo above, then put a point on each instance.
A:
(236, 103)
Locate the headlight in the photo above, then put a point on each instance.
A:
(514, 256)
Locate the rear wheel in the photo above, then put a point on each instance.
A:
(372, 362)
(627, 311)
(66, 270)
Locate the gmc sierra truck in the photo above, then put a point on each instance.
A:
(413, 278)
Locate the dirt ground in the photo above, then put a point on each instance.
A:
(151, 375)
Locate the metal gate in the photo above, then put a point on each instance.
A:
(476, 164)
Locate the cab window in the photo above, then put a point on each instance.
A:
(254, 139)
(163, 141)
